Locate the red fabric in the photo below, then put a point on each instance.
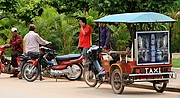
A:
(16, 43)
(85, 40)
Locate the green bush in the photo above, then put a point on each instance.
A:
(176, 62)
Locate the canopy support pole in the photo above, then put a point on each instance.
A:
(170, 39)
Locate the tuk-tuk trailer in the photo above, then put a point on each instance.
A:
(150, 57)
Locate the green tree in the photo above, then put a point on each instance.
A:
(57, 28)
(111, 6)
(120, 36)
(22, 9)
(8, 6)
(5, 29)
(174, 12)
(123, 6)
(60, 20)
(69, 6)
(28, 9)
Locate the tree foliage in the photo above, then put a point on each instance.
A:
(174, 12)
(111, 6)
(56, 19)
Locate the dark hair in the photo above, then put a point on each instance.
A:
(83, 19)
(32, 27)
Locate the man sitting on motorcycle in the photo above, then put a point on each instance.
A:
(16, 44)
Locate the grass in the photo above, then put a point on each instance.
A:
(176, 62)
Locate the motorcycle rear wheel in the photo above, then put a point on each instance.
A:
(89, 77)
(29, 72)
(76, 72)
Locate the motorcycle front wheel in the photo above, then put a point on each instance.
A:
(89, 77)
(74, 72)
(29, 72)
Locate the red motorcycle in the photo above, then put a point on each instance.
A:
(5, 66)
(47, 62)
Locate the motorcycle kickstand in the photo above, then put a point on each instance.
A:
(56, 78)
(99, 84)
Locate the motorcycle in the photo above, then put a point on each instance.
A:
(5, 64)
(96, 65)
(55, 66)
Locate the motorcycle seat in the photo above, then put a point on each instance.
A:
(68, 57)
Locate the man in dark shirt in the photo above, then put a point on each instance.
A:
(16, 44)
(105, 36)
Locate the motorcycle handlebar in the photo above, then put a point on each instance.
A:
(93, 48)
(46, 49)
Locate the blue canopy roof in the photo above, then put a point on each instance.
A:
(138, 17)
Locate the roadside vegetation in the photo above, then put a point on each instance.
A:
(176, 62)
(56, 20)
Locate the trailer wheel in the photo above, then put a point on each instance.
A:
(159, 86)
(117, 81)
